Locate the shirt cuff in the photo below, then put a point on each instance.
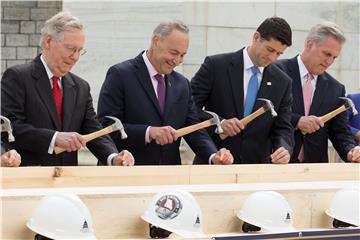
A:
(52, 143)
(147, 137)
(110, 158)
(211, 158)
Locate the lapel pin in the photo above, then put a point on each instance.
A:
(268, 83)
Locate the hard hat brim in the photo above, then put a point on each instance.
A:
(52, 235)
(182, 233)
(331, 214)
(271, 229)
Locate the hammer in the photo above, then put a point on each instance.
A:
(246, 120)
(348, 104)
(116, 126)
(6, 127)
(207, 123)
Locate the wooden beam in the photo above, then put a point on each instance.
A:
(37, 177)
(116, 211)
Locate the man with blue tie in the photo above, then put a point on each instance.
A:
(317, 93)
(229, 85)
(152, 101)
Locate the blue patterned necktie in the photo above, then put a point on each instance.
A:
(252, 90)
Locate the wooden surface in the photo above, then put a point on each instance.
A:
(116, 211)
(117, 196)
(169, 175)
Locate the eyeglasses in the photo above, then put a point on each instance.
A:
(73, 50)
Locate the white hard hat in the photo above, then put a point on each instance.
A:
(175, 211)
(345, 206)
(268, 210)
(62, 216)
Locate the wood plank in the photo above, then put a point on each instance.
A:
(116, 210)
(93, 176)
(274, 173)
(173, 175)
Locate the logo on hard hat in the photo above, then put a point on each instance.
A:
(168, 207)
(288, 218)
(197, 222)
(85, 227)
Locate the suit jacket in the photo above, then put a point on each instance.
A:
(128, 94)
(218, 86)
(354, 120)
(325, 100)
(27, 100)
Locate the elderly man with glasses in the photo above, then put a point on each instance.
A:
(51, 107)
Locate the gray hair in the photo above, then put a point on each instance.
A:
(324, 30)
(58, 24)
(165, 28)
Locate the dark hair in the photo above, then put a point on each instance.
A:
(277, 28)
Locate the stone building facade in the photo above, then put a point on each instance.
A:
(21, 23)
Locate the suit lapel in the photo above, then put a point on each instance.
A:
(321, 88)
(169, 79)
(43, 87)
(69, 98)
(236, 76)
(144, 79)
(265, 88)
(298, 99)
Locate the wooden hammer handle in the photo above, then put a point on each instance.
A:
(330, 115)
(186, 130)
(89, 137)
(246, 120)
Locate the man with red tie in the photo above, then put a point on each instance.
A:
(51, 107)
(316, 93)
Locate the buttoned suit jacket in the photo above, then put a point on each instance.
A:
(218, 86)
(27, 100)
(325, 99)
(128, 94)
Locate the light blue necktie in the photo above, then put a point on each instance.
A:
(252, 90)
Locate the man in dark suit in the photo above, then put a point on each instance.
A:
(354, 120)
(315, 94)
(49, 106)
(229, 84)
(152, 100)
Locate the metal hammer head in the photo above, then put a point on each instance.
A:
(6, 127)
(117, 125)
(217, 121)
(350, 104)
(269, 106)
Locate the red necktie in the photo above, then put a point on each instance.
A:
(57, 96)
(307, 95)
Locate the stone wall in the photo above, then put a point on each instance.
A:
(118, 30)
(21, 23)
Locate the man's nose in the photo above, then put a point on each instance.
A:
(178, 60)
(273, 56)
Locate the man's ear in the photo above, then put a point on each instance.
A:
(155, 40)
(46, 41)
(256, 36)
(309, 44)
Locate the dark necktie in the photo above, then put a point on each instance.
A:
(252, 90)
(57, 96)
(161, 91)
